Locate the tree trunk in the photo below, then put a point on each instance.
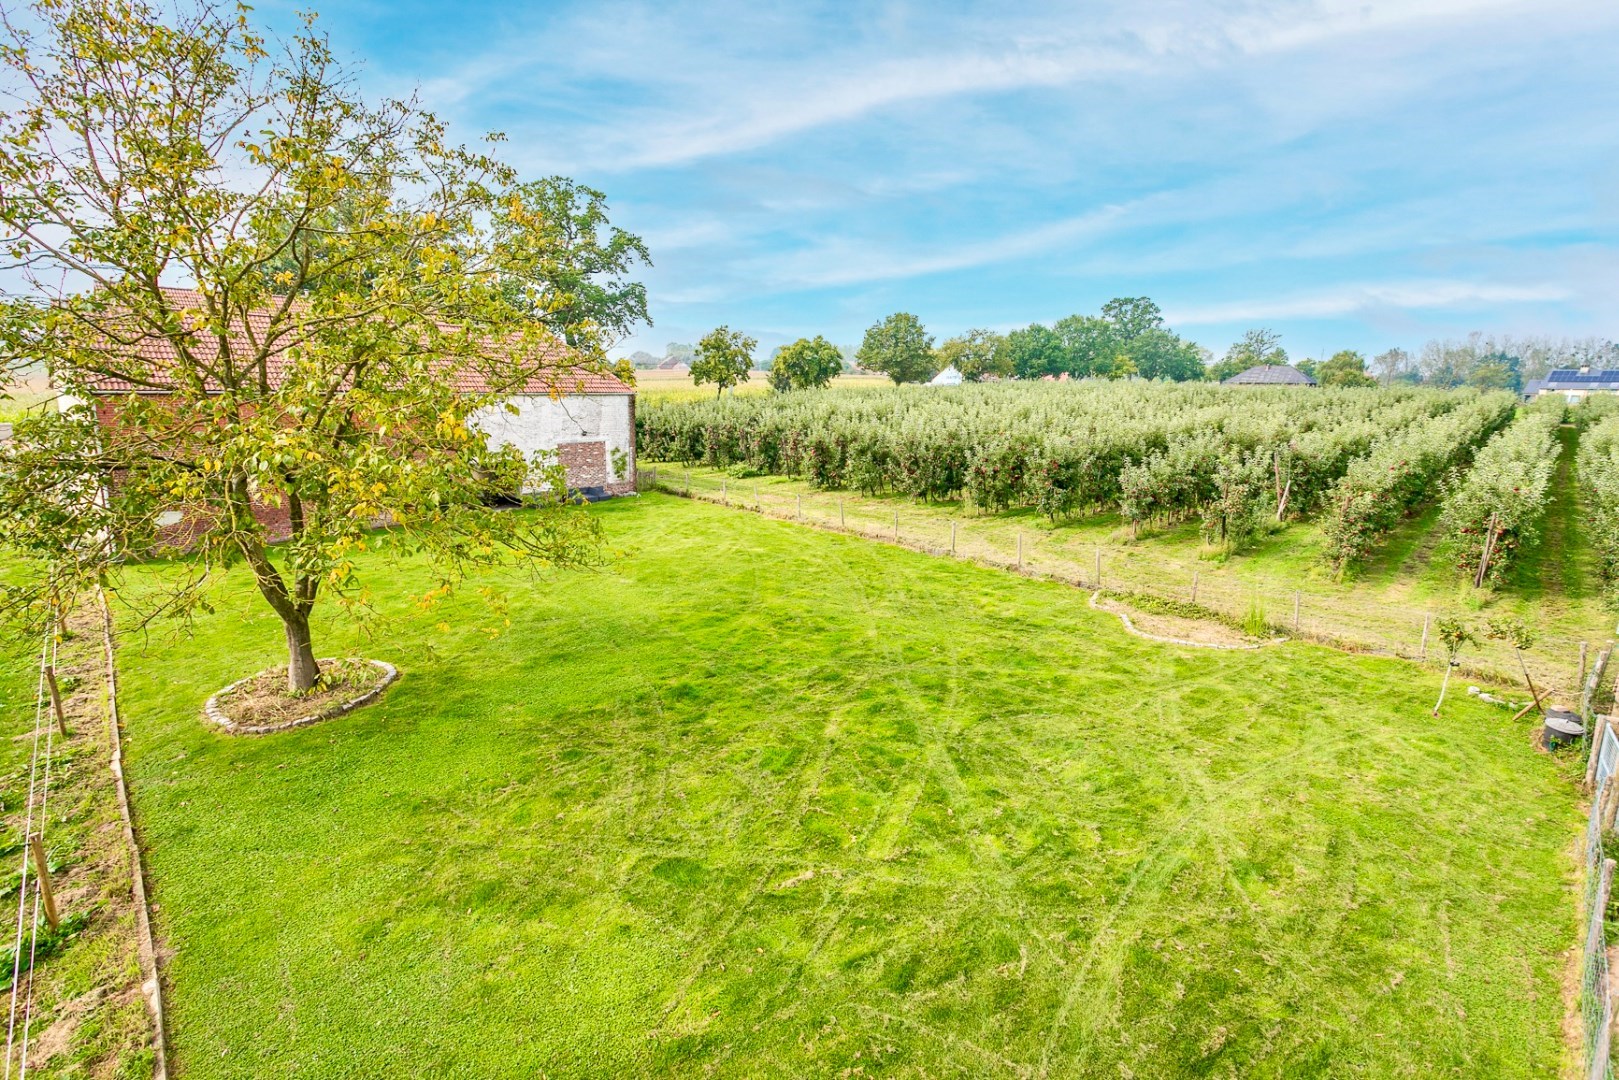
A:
(302, 671)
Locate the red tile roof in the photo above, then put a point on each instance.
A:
(562, 379)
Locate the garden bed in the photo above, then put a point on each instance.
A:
(260, 704)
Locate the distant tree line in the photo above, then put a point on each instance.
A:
(1128, 339)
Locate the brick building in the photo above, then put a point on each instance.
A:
(586, 418)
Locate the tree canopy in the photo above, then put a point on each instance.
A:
(1345, 368)
(723, 357)
(360, 290)
(806, 363)
(900, 348)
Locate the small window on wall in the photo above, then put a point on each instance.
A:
(169, 517)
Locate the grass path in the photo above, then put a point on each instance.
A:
(1384, 607)
(767, 801)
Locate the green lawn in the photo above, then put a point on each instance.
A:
(1381, 607)
(766, 801)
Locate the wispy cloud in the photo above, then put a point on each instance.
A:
(1361, 298)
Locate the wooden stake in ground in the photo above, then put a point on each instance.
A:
(952, 538)
(1454, 635)
(1484, 557)
(896, 526)
(1519, 635)
(1583, 647)
(56, 702)
(43, 873)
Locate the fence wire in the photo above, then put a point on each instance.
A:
(1343, 618)
(1596, 991)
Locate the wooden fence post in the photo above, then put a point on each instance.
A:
(1426, 619)
(1583, 647)
(43, 873)
(1484, 556)
(56, 702)
(952, 538)
(1612, 805)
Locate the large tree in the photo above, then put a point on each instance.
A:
(1345, 368)
(900, 348)
(805, 364)
(976, 354)
(357, 290)
(723, 357)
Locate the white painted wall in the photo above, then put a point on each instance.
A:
(542, 422)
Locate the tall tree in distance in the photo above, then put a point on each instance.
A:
(977, 354)
(398, 285)
(1345, 368)
(806, 363)
(723, 357)
(1132, 316)
(1257, 347)
(900, 348)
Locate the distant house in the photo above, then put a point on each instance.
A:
(1271, 375)
(673, 363)
(948, 377)
(1573, 384)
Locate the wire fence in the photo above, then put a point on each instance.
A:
(1560, 665)
(1346, 617)
(1596, 991)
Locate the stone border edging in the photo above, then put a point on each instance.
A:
(1131, 627)
(145, 944)
(211, 709)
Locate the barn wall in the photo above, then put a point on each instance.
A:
(571, 426)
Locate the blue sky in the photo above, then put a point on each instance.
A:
(1353, 175)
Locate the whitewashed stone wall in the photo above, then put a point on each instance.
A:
(542, 423)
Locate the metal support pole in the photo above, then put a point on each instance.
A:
(1596, 750)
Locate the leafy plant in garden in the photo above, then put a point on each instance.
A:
(1453, 634)
(1521, 636)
